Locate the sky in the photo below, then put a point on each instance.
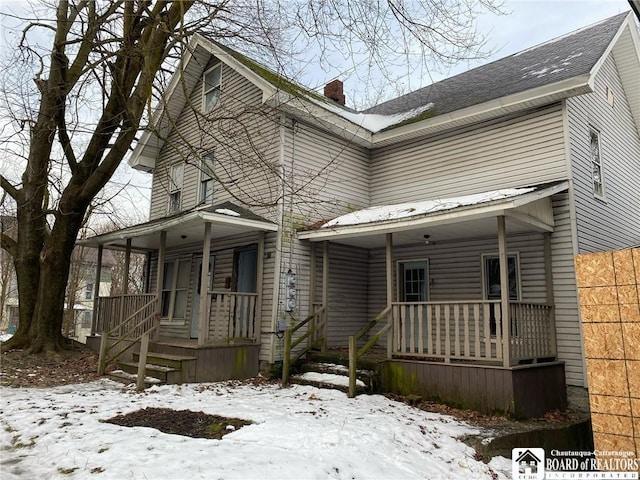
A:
(299, 432)
(526, 23)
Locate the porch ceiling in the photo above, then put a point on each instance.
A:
(529, 212)
(183, 229)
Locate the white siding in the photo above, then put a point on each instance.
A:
(614, 222)
(569, 337)
(523, 151)
(244, 138)
(330, 177)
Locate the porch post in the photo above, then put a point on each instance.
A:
(160, 277)
(203, 321)
(389, 266)
(548, 274)
(96, 290)
(325, 293)
(504, 292)
(259, 273)
(389, 260)
(127, 265)
(312, 290)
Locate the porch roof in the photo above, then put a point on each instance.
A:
(527, 209)
(184, 228)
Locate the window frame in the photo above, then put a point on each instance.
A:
(518, 275)
(596, 162)
(206, 91)
(172, 289)
(400, 284)
(88, 291)
(174, 188)
(202, 181)
(85, 321)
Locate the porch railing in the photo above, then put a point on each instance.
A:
(113, 310)
(471, 330)
(139, 326)
(234, 312)
(315, 335)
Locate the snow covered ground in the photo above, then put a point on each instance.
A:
(299, 432)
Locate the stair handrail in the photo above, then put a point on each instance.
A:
(355, 354)
(152, 318)
(289, 345)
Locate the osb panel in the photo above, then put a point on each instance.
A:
(598, 296)
(607, 377)
(595, 269)
(633, 373)
(616, 424)
(631, 335)
(600, 313)
(603, 340)
(623, 266)
(610, 405)
(636, 263)
(629, 313)
(613, 443)
(635, 407)
(628, 294)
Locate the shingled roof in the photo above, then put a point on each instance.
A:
(555, 60)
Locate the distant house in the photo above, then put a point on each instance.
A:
(452, 213)
(8, 284)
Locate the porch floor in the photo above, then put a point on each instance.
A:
(193, 343)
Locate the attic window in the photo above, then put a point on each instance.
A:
(211, 88)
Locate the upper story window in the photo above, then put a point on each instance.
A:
(175, 186)
(206, 179)
(88, 292)
(211, 88)
(596, 163)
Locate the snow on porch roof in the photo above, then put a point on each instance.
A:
(387, 218)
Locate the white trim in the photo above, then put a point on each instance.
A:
(218, 65)
(201, 168)
(400, 280)
(598, 195)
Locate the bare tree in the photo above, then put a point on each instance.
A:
(93, 86)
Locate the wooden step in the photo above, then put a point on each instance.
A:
(128, 378)
(327, 380)
(166, 359)
(163, 373)
(368, 377)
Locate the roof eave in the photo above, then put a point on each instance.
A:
(511, 103)
(499, 207)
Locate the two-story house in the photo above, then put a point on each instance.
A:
(451, 215)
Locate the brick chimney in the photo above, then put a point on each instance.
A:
(334, 91)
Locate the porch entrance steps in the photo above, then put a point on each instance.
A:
(163, 367)
(333, 376)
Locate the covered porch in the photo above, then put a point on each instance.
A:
(203, 288)
(448, 291)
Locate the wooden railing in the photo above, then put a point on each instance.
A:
(235, 313)
(533, 332)
(139, 326)
(471, 330)
(114, 309)
(314, 334)
(355, 353)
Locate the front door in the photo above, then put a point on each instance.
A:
(195, 309)
(246, 282)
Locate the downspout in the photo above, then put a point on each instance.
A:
(277, 266)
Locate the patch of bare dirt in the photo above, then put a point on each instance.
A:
(180, 422)
(79, 364)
